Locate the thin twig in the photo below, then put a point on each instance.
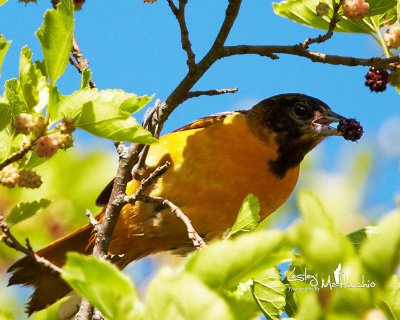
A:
(215, 92)
(198, 242)
(17, 156)
(86, 310)
(173, 7)
(81, 63)
(92, 220)
(332, 25)
(186, 45)
(386, 63)
(9, 239)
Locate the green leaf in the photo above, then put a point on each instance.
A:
(55, 36)
(357, 237)
(269, 293)
(380, 6)
(106, 287)
(4, 45)
(107, 114)
(85, 79)
(380, 251)
(15, 97)
(390, 302)
(3, 2)
(304, 12)
(312, 210)
(248, 217)
(180, 296)
(5, 115)
(33, 82)
(25, 210)
(226, 263)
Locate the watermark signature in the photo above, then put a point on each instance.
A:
(338, 280)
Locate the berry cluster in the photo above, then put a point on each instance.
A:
(355, 9)
(26, 123)
(376, 79)
(11, 176)
(350, 129)
(47, 146)
(392, 37)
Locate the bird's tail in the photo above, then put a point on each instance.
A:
(49, 287)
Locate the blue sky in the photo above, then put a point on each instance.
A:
(136, 47)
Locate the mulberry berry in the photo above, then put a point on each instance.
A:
(23, 123)
(350, 129)
(355, 9)
(376, 79)
(29, 179)
(9, 176)
(47, 146)
(392, 37)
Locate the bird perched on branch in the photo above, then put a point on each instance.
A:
(215, 162)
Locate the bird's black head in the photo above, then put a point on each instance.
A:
(297, 122)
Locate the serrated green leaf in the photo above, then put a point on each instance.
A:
(107, 114)
(4, 45)
(304, 12)
(33, 82)
(106, 287)
(5, 115)
(269, 293)
(225, 264)
(25, 210)
(390, 302)
(181, 296)
(85, 78)
(4, 144)
(15, 97)
(55, 36)
(3, 2)
(380, 251)
(248, 217)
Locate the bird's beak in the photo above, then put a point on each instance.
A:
(322, 126)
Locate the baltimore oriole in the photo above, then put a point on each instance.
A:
(215, 162)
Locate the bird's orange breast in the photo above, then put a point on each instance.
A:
(212, 170)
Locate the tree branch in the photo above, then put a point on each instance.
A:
(214, 92)
(298, 50)
(128, 156)
(12, 242)
(81, 63)
(332, 25)
(17, 156)
(186, 45)
(198, 242)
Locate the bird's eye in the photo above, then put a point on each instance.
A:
(301, 110)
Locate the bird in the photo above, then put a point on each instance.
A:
(215, 162)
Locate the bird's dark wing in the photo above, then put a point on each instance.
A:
(207, 121)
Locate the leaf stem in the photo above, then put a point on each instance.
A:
(380, 38)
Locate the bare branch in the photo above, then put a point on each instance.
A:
(231, 14)
(198, 242)
(12, 242)
(86, 310)
(332, 25)
(186, 45)
(127, 159)
(80, 62)
(298, 50)
(173, 7)
(93, 221)
(214, 92)
(17, 156)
